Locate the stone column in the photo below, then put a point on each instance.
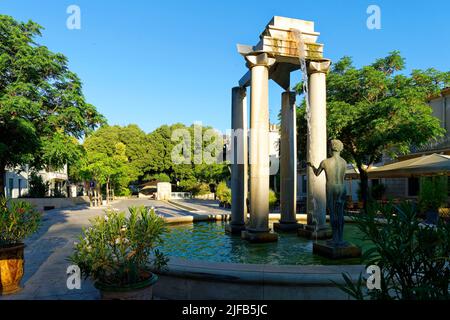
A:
(239, 164)
(258, 226)
(317, 143)
(288, 164)
(317, 151)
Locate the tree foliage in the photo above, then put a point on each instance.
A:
(375, 110)
(42, 108)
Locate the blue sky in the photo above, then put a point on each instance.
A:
(157, 62)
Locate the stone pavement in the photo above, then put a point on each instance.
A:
(46, 251)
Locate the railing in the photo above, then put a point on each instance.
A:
(180, 195)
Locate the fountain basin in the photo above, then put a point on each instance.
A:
(192, 274)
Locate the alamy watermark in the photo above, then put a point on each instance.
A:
(374, 20)
(73, 21)
(197, 146)
(374, 280)
(73, 277)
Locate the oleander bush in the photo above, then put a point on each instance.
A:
(120, 249)
(413, 257)
(18, 220)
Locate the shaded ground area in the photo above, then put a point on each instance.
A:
(46, 251)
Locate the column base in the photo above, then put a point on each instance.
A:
(310, 232)
(327, 250)
(286, 226)
(259, 237)
(234, 228)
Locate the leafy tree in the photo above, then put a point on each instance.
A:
(161, 177)
(104, 166)
(42, 108)
(161, 159)
(375, 110)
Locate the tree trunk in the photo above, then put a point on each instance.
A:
(99, 195)
(107, 191)
(364, 186)
(2, 180)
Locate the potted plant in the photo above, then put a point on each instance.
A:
(17, 221)
(119, 251)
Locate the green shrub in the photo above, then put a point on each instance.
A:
(272, 198)
(377, 191)
(195, 187)
(433, 192)
(119, 250)
(18, 220)
(413, 258)
(37, 188)
(223, 193)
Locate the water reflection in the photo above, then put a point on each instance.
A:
(208, 241)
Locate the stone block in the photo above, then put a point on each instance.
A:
(327, 250)
(234, 228)
(259, 237)
(286, 227)
(310, 233)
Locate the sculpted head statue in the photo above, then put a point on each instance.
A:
(337, 145)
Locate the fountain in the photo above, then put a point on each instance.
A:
(249, 260)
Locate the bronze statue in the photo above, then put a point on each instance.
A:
(335, 168)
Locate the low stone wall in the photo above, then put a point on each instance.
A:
(56, 203)
(198, 280)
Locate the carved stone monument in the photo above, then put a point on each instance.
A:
(274, 57)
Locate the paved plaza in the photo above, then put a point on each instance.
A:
(47, 251)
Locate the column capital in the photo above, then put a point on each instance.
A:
(292, 96)
(262, 59)
(319, 66)
(242, 91)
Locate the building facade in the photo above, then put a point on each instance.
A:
(17, 182)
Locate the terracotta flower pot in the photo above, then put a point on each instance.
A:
(11, 268)
(139, 291)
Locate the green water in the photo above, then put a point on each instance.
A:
(208, 241)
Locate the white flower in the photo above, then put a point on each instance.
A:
(118, 241)
(106, 217)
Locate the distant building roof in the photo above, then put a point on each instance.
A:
(152, 183)
(444, 92)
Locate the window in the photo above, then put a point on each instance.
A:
(413, 186)
(303, 184)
